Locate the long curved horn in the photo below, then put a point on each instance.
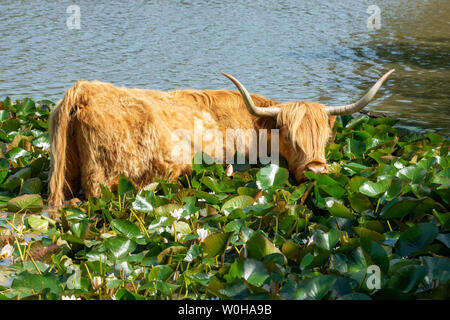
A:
(254, 110)
(361, 103)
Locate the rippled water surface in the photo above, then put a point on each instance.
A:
(286, 50)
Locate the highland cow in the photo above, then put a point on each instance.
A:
(99, 132)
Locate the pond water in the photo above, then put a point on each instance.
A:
(286, 50)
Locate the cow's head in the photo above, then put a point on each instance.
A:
(305, 127)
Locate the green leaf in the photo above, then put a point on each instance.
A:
(27, 202)
(400, 207)
(413, 173)
(415, 238)
(369, 234)
(442, 178)
(4, 166)
(354, 148)
(79, 229)
(374, 189)
(444, 238)
(160, 222)
(238, 202)
(328, 240)
(125, 186)
(338, 210)
(142, 204)
(193, 252)
(437, 269)
(31, 186)
(394, 190)
(259, 246)
(272, 176)
(37, 282)
(315, 288)
(161, 273)
(407, 278)
(355, 296)
(360, 202)
(334, 191)
(27, 107)
(298, 193)
(376, 253)
(216, 243)
(251, 270)
(210, 198)
(120, 246)
(355, 183)
(354, 167)
(126, 228)
(172, 251)
(37, 223)
(434, 137)
(357, 122)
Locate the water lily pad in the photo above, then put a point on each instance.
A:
(216, 243)
(326, 240)
(251, 270)
(125, 186)
(374, 189)
(337, 209)
(27, 202)
(407, 278)
(272, 176)
(259, 246)
(400, 207)
(415, 238)
(376, 253)
(120, 246)
(238, 202)
(142, 204)
(315, 288)
(37, 223)
(37, 282)
(126, 228)
(31, 186)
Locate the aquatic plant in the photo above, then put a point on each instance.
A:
(375, 227)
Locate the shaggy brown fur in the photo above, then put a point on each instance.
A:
(100, 131)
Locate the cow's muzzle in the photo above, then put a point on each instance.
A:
(317, 167)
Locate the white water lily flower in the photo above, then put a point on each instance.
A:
(177, 213)
(229, 170)
(97, 282)
(260, 200)
(203, 212)
(72, 297)
(179, 236)
(166, 229)
(20, 228)
(202, 234)
(6, 251)
(307, 241)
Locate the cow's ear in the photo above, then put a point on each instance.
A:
(266, 122)
(331, 121)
